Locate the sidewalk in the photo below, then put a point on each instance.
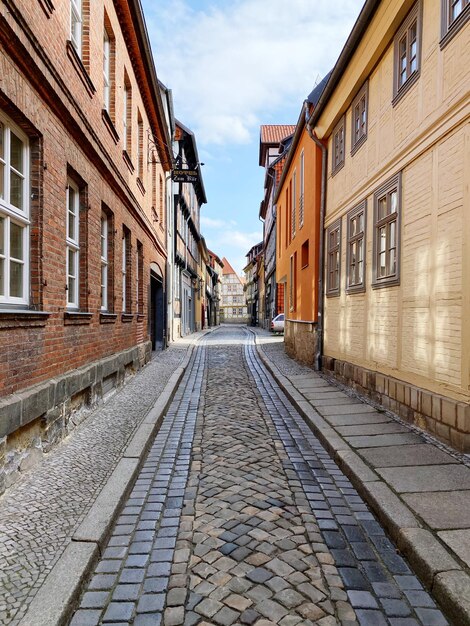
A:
(48, 519)
(418, 487)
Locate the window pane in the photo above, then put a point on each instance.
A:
(2, 277)
(71, 290)
(393, 201)
(16, 241)
(2, 179)
(16, 152)
(71, 263)
(382, 208)
(382, 239)
(2, 140)
(456, 9)
(16, 280)
(16, 190)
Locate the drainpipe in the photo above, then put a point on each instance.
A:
(319, 351)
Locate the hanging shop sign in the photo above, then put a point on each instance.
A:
(185, 176)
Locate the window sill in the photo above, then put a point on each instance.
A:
(140, 317)
(108, 122)
(80, 68)
(127, 317)
(107, 318)
(455, 27)
(358, 144)
(72, 318)
(390, 282)
(128, 161)
(406, 87)
(356, 289)
(337, 169)
(333, 294)
(22, 318)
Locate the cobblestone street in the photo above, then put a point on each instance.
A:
(239, 516)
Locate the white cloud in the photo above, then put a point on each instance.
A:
(233, 65)
(208, 222)
(232, 244)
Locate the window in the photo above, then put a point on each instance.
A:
(234, 311)
(359, 118)
(104, 262)
(333, 264)
(14, 214)
(293, 282)
(454, 14)
(139, 285)
(240, 311)
(161, 200)
(125, 271)
(407, 53)
(140, 146)
(338, 146)
(293, 192)
(304, 254)
(73, 245)
(127, 115)
(387, 209)
(355, 251)
(76, 25)
(106, 71)
(287, 217)
(301, 192)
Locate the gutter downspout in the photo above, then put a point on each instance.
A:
(319, 351)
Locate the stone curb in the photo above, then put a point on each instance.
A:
(431, 561)
(55, 600)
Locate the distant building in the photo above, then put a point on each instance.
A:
(252, 282)
(214, 269)
(233, 309)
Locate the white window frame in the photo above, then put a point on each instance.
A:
(104, 261)
(106, 71)
(76, 25)
(125, 97)
(12, 214)
(294, 203)
(73, 246)
(124, 272)
(302, 189)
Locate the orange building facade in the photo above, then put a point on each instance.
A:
(297, 200)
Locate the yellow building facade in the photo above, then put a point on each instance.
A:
(395, 119)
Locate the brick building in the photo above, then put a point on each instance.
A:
(84, 156)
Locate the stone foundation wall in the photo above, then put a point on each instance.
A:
(300, 340)
(447, 419)
(33, 421)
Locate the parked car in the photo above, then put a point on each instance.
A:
(277, 325)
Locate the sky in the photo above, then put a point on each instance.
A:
(233, 65)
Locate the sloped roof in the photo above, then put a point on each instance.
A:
(228, 269)
(275, 133)
(314, 95)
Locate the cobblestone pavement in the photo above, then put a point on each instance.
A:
(40, 512)
(239, 516)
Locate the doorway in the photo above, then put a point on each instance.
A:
(157, 312)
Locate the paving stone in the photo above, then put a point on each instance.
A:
(272, 610)
(249, 617)
(259, 575)
(86, 617)
(289, 598)
(370, 618)
(119, 611)
(396, 456)
(208, 607)
(226, 616)
(362, 599)
(395, 608)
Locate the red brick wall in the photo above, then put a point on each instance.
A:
(55, 107)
